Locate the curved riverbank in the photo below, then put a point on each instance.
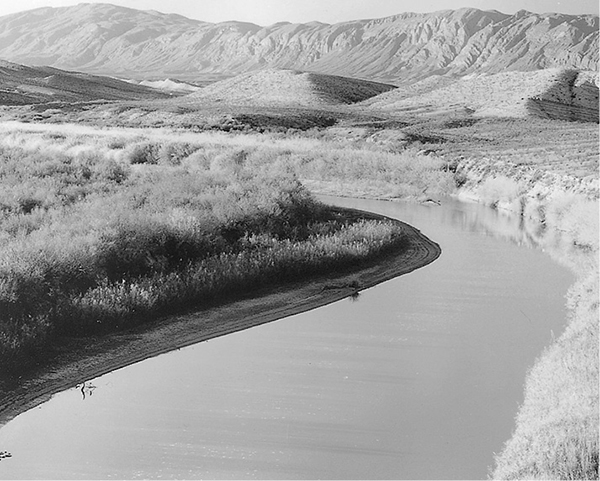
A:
(559, 414)
(83, 359)
(558, 214)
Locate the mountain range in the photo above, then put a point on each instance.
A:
(402, 49)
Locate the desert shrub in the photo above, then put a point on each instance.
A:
(163, 153)
(112, 171)
(22, 224)
(143, 153)
(116, 143)
(263, 260)
(499, 189)
(172, 153)
(229, 163)
(28, 204)
(575, 215)
(198, 161)
(88, 242)
(148, 246)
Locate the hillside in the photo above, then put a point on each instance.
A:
(550, 93)
(288, 87)
(21, 85)
(105, 39)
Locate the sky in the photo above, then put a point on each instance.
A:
(267, 12)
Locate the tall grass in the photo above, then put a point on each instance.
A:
(264, 260)
(326, 163)
(103, 238)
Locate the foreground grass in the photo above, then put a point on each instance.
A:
(99, 239)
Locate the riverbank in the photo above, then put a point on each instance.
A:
(557, 426)
(101, 231)
(545, 173)
(80, 359)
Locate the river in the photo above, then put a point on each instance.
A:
(419, 377)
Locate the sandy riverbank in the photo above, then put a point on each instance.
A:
(82, 359)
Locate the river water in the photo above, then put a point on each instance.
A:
(418, 378)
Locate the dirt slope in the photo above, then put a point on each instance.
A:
(22, 85)
(550, 93)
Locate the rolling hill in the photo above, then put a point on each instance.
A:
(549, 93)
(288, 87)
(22, 85)
(402, 49)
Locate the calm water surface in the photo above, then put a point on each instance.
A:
(420, 377)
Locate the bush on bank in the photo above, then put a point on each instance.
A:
(89, 243)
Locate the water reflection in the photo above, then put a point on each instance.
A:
(420, 379)
(527, 231)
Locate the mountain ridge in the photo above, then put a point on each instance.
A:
(404, 48)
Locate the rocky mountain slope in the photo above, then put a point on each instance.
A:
(21, 85)
(106, 39)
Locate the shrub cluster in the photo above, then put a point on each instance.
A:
(96, 242)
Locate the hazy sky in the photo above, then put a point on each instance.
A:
(266, 12)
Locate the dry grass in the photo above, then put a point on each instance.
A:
(557, 426)
(101, 229)
(320, 162)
